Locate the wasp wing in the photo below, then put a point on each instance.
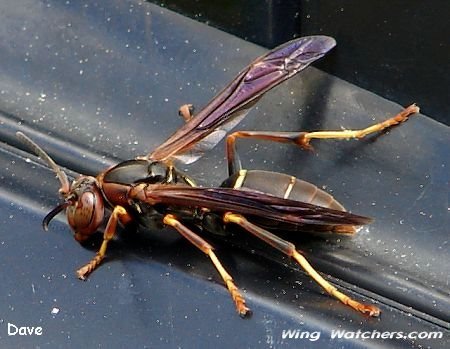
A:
(230, 106)
(264, 209)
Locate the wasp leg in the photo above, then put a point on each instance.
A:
(206, 248)
(346, 134)
(289, 249)
(118, 214)
(186, 111)
(303, 139)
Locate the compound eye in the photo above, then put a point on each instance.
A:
(86, 214)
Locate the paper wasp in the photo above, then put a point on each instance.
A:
(149, 190)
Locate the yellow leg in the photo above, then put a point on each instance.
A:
(201, 244)
(333, 291)
(302, 139)
(347, 134)
(186, 112)
(118, 214)
(289, 249)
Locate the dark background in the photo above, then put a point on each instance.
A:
(385, 47)
(95, 83)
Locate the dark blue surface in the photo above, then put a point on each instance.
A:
(96, 83)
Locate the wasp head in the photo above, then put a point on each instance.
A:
(83, 200)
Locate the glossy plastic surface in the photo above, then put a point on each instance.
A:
(96, 83)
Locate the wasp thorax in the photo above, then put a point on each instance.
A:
(86, 212)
